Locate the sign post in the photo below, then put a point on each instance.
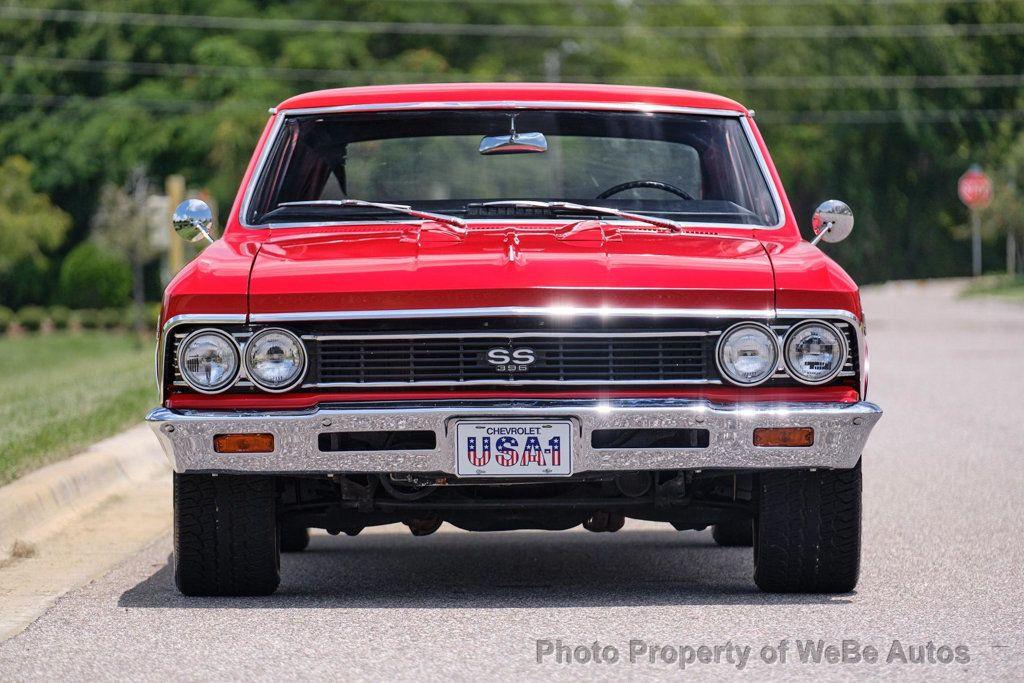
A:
(975, 190)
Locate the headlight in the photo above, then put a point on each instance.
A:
(208, 361)
(815, 352)
(748, 353)
(275, 360)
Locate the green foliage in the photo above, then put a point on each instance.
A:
(152, 316)
(89, 319)
(60, 316)
(113, 318)
(93, 278)
(28, 281)
(6, 318)
(898, 171)
(29, 224)
(32, 318)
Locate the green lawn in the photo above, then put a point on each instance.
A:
(61, 392)
(1001, 286)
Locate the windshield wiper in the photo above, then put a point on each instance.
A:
(585, 208)
(456, 224)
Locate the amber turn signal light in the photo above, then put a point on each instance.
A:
(784, 436)
(243, 443)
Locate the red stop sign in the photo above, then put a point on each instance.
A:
(975, 188)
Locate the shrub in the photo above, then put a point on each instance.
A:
(93, 278)
(89, 319)
(6, 318)
(31, 318)
(27, 282)
(152, 316)
(60, 316)
(111, 318)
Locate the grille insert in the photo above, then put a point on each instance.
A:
(514, 359)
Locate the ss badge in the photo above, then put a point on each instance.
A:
(511, 360)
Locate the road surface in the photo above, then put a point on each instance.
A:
(943, 564)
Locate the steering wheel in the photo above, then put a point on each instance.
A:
(652, 184)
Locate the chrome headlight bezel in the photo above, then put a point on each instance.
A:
(774, 338)
(231, 377)
(843, 344)
(248, 362)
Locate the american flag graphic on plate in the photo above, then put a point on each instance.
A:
(523, 448)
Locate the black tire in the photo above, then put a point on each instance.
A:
(735, 534)
(807, 531)
(294, 537)
(225, 535)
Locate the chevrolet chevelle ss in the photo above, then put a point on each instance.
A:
(512, 306)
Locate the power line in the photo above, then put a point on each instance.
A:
(803, 32)
(832, 82)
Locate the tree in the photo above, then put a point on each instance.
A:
(29, 223)
(121, 224)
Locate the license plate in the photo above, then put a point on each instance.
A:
(540, 448)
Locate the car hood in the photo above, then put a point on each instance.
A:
(587, 264)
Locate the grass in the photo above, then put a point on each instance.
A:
(62, 392)
(1000, 286)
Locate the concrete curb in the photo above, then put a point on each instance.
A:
(47, 500)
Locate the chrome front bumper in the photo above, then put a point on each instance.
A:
(840, 432)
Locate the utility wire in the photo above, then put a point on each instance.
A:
(802, 32)
(833, 82)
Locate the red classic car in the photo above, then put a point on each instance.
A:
(512, 306)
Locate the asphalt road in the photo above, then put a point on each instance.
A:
(943, 564)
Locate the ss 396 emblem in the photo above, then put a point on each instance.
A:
(504, 359)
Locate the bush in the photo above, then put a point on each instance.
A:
(6, 318)
(152, 316)
(27, 282)
(111, 318)
(89, 319)
(93, 278)
(60, 316)
(31, 318)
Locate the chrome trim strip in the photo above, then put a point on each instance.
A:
(841, 431)
(510, 104)
(513, 104)
(511, 335)
(511, 311)
(509, 383)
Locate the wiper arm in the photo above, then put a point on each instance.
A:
(585, 208)
(457, 225)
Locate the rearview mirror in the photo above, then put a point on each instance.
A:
(514, 143)
(193, 220)
(832, 221)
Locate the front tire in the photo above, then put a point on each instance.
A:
(225, 535)
(807, 531)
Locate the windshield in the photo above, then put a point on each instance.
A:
(685, 167)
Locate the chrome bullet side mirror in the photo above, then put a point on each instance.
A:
(832, 221)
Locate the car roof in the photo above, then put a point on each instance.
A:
(519, 93)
